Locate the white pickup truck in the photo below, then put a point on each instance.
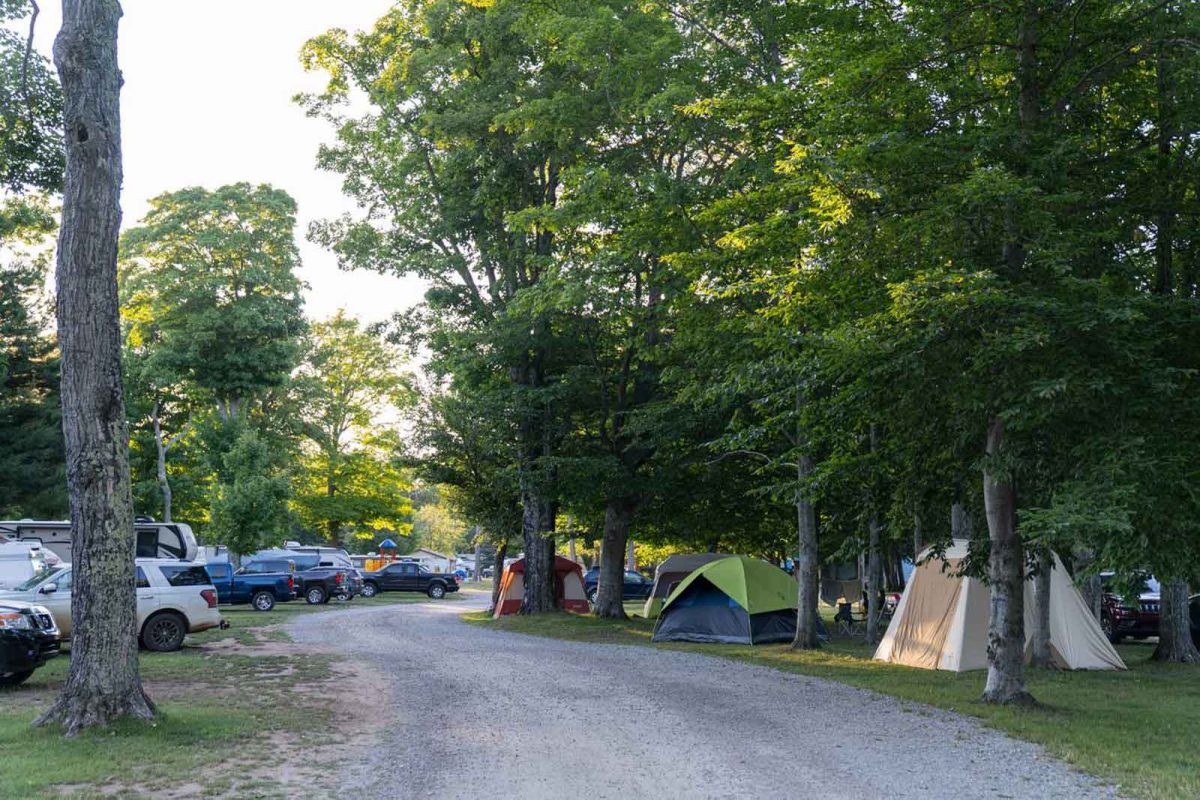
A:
(174, 598)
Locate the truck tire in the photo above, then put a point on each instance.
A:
(263, 601)
(369, 589)
(164, 632)
(14, 678)
(437, 591)
(315, 596)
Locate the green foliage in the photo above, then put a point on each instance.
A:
(211, 292)
(249, 500)
(349, 483)
(33, 481)
(31, 151)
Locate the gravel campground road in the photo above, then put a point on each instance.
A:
(558, 719)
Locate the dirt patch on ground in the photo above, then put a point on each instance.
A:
(331, 720)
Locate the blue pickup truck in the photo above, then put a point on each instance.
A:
(261, 590)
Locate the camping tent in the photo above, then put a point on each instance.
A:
(568, 585)
(941, 621)
(670, 573)
(736, 600)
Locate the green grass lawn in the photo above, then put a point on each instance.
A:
(224, 708)
(1139, 728)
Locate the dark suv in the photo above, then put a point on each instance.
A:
(1125, 618)
(28, 639)
(637, 586)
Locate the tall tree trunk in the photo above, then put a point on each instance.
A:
(1174, 629)
(630, 555)
(497, 573)
(918, 538)
(1090, 587)
(1006, 629)
(618, 517)
(160, 447)
(1040, 638)
(960, 522)
(103, 682)
(571, 549)
(807, 561)
(874, 560)
(537, 528)
(477, 571)
(874, 579)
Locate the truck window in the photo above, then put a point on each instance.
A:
(142, 581)
(186, 576)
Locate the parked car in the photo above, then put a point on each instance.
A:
(408, 576)
(28, 639)
(317, 581)
(1123, 617)
(637, 585)
(260, 589)
(174, 598)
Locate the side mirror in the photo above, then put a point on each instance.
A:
(49, 588)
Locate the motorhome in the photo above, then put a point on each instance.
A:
(154, 539)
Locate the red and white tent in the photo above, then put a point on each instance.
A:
(568, 583)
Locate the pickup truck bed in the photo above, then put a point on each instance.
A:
(261, 590)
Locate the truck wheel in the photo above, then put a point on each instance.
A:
(593, 596)
(163, 633)
(263, 601)
(437, 591)
(315, 596)
(14, 678)
(369, 590)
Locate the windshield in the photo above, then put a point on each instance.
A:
(41, 575)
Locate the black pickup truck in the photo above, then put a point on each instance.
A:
(408, 576)
(28, 639)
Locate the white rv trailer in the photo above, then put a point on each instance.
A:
(154, 539)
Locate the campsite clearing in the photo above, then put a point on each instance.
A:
(1136, 728)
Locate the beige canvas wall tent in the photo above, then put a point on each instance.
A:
(941, 621)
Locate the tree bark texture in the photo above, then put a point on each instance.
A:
(618, 517)
(807, 562)
(1040, 655)
(874, 579)
(103, 682)
(537, 528)
(874, 559)
(960, 522)
(497, 573)
(161, 447)
(1174, 630)
(1006, 629)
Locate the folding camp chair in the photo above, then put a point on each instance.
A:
(849, 623)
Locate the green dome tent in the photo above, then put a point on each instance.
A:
(736, 600)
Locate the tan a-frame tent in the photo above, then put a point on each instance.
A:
(941, 621)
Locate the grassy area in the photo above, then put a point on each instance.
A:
(228, 707)
(1138, 728)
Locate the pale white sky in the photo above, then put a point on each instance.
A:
(208, 101)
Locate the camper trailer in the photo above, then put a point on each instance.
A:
(154, 539)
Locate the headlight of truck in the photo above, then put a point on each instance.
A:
(15, 622)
